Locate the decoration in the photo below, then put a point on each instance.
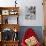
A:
(30, 13)
(5, 12)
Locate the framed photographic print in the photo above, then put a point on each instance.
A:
(30, 13)
(5, 12)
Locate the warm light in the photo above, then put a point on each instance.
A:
(15, 30)
(12, 10)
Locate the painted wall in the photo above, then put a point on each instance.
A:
(27, 3)
(39, 13)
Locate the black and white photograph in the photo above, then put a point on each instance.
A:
(30, 13)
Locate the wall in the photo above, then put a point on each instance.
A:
(39, 13)
(22, 4)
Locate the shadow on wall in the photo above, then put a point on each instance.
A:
(37, 29)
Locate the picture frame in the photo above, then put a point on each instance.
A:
(5, 12)
(30, 13)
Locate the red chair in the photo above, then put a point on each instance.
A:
(29, 33)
